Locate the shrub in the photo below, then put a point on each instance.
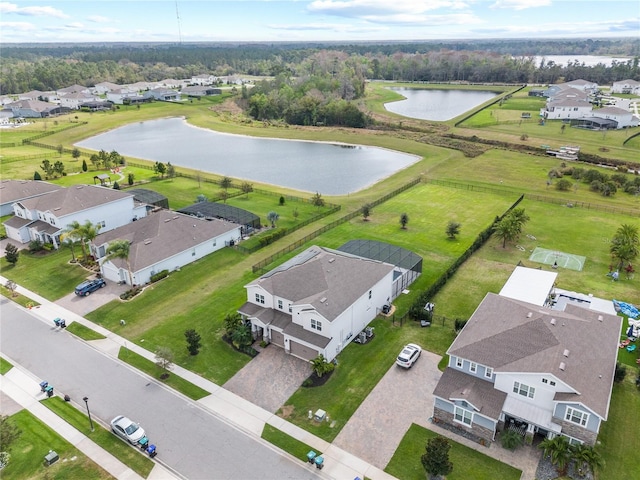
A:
(35, 246)
(511, 440)
(459, 324)
(620, 373)
(129, 294)
(563, 185)
(159, 276)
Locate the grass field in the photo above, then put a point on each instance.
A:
(34, 442)
(286, 442)
(467, 463)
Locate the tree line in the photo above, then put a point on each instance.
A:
(50, 67)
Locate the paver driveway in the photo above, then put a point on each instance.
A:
(270, 378)
(401, 398)
(84, 305)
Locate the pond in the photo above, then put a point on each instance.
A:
(588, 60)
(437, 105)
(327, 168)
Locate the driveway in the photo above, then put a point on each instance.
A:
(401, 398)
(84, 305)
(270, 378)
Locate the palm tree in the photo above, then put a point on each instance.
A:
(120, 249)
(559, 451)
(273, 218)
(587, 456)
(625, 245)
(70, 236)
(88, 232)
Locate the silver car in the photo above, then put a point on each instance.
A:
(127, 429)
(409, 355)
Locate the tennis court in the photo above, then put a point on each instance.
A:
(560, 259)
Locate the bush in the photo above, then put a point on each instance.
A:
(511, 440)
(159, 276)
(459, 324)
(35, 246)
(620, 373)
(563, 185)
(129, 294)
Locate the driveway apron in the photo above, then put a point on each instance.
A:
(270, 378)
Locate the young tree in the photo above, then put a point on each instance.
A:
(164, 360)
(48, 168)
(367, 210)
(160, 168)
(453, 229)
(131, 178)
(75, 153)
(317, 200)
(246, 188)
(58, 168)
(201, 198)
(11, 286)
(436, 459)
(116, 185)
(404, 220)
(320, 366)
(625, 245)
(231, 322)
(95, 161)
(11, 253)
(36, 175)
(281, 200)
(225, 182)
(171, 170)
(193, 341)
(84, 165)
(120, 249)
(558, 450)
(241, 336)
(273, 218)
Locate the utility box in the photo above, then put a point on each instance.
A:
(51, 458)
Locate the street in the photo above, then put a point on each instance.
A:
(190, 440)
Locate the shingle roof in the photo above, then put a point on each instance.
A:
(14, 190)
(514, 336)
(74, 199)
(456, 385)
(610, 111)
(161, 235)
(327, 279)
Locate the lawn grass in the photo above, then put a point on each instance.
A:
(467, 463)
(17, 297)
(174, 381)
(49, 274)
(35, 441)
(130, 456)
(5, 366)
(286, 442)
(83, 332)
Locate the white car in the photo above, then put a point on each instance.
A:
(127, 429)
(409, 355)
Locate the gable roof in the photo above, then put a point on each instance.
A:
(327, 279)
(610, 111)
(74, 199)
(13, 190)
(35, 105)
(161, 235)
(515, 336)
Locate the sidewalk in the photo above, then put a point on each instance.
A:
(227, 406)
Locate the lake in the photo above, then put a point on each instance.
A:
(327, 168)
(588, 60)
(438, 105)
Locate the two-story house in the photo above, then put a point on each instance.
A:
(318, 301)
(45, 217)
(627, 86)
(12, 191)
(541, 369)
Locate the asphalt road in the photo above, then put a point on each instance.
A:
(190, 440)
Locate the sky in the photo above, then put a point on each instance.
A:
(312, 20)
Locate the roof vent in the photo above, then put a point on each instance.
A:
(553, 321)
(600, 317)
(147, 242)
(331, 260)
(323, 299)
(562, 366)
(175, 217)
(167, 220)
(530, 314)
(566, 352)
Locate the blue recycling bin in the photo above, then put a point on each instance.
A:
(311, 457)
(319, 462)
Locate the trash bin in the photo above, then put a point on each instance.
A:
(319, 462)
(311, 457)
(151, 451)
(49, 391)
(51, 458)
(43, 385)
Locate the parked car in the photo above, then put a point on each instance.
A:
(409, 355)
(127, 429)
(88, 286)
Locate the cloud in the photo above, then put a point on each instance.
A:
(34, 11)
(69, 27)
(567, 29)
(520, 4)
(17, 26)
(424, 20)
(377, 8)
(335, 27)
(98, 19)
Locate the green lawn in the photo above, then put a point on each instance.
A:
(35, 441)
(130, 456)
(174, 381)
(49, 274)
(17, 297)
(83, 332)
(5, 366)
(286, 442)
(467, 463)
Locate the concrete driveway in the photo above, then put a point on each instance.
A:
(270, 378)
(401, 398)
(84, 305)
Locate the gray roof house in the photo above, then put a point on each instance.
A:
(626, 86)
(162, 94)
(12, 191)
(541, 370)
(318, 301)
(163, 240)
(34, 109)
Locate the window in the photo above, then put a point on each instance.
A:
(290, 309)
(576, 416)
(459, 362)
(524, 390)
(488, 372)
(463, 416)
(552, 383)
(280, 304)
(316, 325)
(259, 298)
(473, 368)
(370, 292)
(544, 380)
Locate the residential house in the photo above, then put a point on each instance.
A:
(162, 94)
(142, 86)
(73, 89)
(623, 118)
(49, 96)
(203, 79)
(626, 86)
(318, 301)
(172, 83)
(74, 100)
(12, 191)
(120, 96)
(96, 106)
(45, 217)
(200, 91)
(105, 87)
(540, 367)
(164, 240)
(34, 109)
(584, 85)
(565, 109)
